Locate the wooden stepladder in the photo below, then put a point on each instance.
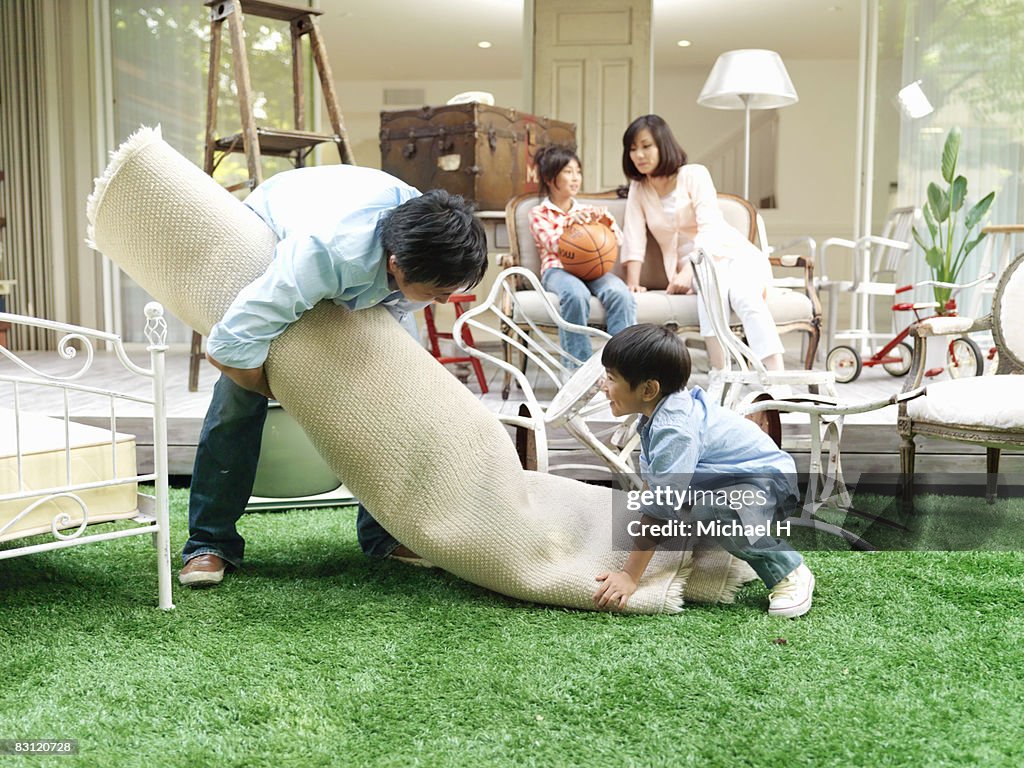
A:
(256, 142)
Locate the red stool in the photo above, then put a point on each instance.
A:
(460, 300)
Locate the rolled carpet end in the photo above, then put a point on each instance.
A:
(142, 138)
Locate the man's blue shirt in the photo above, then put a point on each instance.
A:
(329, 247)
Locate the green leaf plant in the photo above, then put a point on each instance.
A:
(948, 249)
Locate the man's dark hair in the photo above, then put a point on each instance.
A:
(550, 161)
(436, 240)
(648, 351)
(670, 155)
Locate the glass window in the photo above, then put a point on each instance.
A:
(160, 54)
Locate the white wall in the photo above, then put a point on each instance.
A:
(817, 136)
(817, 140)
(817, 177)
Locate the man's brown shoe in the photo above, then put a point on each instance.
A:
(403, 554)
(202, 571)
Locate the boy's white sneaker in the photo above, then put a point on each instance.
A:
(791, 597)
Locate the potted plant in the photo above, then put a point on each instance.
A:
(949, 248)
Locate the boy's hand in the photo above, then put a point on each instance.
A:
(253, 379)
(615, 590)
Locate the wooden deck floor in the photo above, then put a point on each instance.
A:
(870, 442)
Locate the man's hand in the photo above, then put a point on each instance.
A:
(253, 379)
(615, 590)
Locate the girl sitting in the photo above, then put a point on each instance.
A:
(560, 177)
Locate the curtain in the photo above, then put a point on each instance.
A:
(27, 241)
(966, 55)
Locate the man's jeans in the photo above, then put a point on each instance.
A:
(223, 476)
(574, 306)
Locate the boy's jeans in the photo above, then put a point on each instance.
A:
(772, 559)
(574, 305)
(223, 476)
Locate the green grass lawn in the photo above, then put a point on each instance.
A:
(315, 656)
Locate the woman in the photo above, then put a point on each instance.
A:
(677, 201)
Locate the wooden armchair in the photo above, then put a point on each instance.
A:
(983, 410)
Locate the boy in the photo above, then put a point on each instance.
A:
(688, 441)
(357, 237)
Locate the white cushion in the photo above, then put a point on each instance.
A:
(942, 326)
(1011, 313)
(660, 308)
(996, 402)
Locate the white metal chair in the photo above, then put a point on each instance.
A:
(825, 486)
(578, 397)
(744, 369)
(875, 261)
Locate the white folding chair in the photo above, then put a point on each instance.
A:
(826, 487)
(578, 398)
(876, 261)
(743, 368)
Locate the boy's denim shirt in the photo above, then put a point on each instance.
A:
(688, 438)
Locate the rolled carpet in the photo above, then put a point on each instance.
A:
(378, 407)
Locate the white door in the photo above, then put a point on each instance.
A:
(592, 66)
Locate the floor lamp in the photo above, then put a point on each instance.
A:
(748, 79)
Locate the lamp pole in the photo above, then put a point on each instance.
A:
(745, 97)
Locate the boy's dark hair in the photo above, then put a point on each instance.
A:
(551, 160)
(648, 352)
(436, 240)
(670, 155)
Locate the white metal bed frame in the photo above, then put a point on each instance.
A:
(152, 513)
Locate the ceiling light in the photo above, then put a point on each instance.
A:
(483, 44)
(684, 43)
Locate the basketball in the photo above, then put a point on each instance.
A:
(588, 251)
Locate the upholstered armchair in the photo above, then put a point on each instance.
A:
(794, 309)
(983, 410)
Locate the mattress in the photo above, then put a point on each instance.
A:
(45, 448)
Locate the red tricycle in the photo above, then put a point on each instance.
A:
(963, 356)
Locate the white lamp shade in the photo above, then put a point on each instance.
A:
(756, 74)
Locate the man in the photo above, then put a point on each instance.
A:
(357, 237)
